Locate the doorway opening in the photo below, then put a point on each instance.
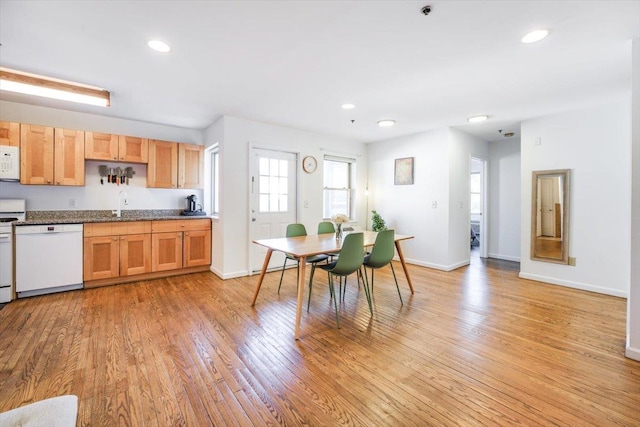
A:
(478, 209)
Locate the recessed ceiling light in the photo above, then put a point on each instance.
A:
(159, 46)
(386, 123)
(535, 36)
(477, 119)
(348, 106)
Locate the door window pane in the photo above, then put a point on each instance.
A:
(273, 183)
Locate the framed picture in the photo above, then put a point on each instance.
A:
(404, 171)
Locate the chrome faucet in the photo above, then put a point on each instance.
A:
(122, 195)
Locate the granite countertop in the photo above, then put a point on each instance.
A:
(80, 217)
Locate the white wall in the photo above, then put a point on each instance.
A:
(461, 148)
(505, 202)
(94, 196)
(234, 217)
(595, 144)
(633, 303)
(441, 175)
(214, 134)
(408, 208)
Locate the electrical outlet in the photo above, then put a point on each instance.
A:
(434, 204)
(538, 141)
(306, 203)
(73, 203)
(572, 261)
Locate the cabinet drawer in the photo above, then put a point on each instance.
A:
(181, 225)
(117, 228)
(197, 224)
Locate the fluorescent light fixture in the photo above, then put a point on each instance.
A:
(159, 46)
(535, 36)
(477, 119)
(348, 106)
(31, 84)
(386, 123)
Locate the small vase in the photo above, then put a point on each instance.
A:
(338, 231)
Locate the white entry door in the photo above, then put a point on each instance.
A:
(274, 200)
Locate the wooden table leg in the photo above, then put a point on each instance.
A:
(404, 265)
(267, 258)
(302, 266)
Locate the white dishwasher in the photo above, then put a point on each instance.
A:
(48, 258)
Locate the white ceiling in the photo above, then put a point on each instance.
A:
(293, 63)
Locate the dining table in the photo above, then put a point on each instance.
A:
(302, 247)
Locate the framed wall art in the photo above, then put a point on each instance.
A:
(404, 171)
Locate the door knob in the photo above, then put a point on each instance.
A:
(253, 220)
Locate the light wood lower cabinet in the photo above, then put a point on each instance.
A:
(135, 254)
(120, 252)
(116, 249)
(181, 244)
(166, 251)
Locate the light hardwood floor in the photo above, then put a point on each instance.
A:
(473, 347)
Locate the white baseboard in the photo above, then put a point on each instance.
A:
(436, 266)
(505, 257)
(632, 353)
(229, 275)
(575, 285)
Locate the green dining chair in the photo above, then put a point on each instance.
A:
(326, 227)
(350, 261)
(381, 255)
(295, 230)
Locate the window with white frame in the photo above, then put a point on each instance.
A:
(339, 187)
(214, 162)
(476, 206)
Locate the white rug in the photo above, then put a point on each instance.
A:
(59, 411)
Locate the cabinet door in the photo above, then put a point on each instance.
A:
(36, 154)
(135, 254)
(69, 157)
(101, 257)
(190, 166)
(132, 149)
(162, 171)
(197, 248)
(166, 251)
(10, 134)
(101, 146)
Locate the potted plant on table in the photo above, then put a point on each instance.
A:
(377, 223)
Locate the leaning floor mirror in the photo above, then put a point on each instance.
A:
(550, 216)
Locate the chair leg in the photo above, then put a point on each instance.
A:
(397, 287)
(282, 274)
(335, 299)
(366, 288)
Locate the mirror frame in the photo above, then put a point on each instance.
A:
(566, 187)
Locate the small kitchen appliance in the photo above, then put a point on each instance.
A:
(193, 208)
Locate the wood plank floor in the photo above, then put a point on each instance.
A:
(473, 347)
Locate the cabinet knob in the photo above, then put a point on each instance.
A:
(123, 238)
(57, 182)
(115, 158)
(48, 181)
(115, 238)
(186, 234)
(179, 234)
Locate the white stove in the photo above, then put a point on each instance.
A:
(11, 210)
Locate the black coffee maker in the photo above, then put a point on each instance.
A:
(192, 206)
(191, 203)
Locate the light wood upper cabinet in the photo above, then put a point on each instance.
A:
(36, 154)
(122, 148)
(101, 146)
(49, 156)
(162, 171)
(190, 166)
(10, 133)
(133, 149)
(68, 157)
